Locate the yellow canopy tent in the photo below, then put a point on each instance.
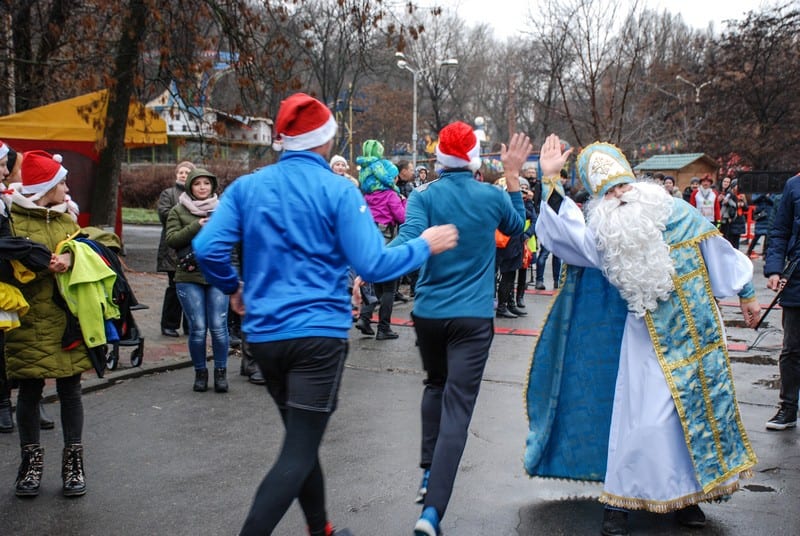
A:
(74, 129)
(82, 119)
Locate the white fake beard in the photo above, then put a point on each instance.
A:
(635, 258)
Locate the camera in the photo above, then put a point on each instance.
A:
(188, 262)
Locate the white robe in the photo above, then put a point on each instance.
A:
(648, 466)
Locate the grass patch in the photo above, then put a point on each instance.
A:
(140, 216)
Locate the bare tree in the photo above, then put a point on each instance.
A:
(755, 110)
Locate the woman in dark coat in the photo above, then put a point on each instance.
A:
(171, 311)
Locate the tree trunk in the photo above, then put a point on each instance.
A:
(106, 190)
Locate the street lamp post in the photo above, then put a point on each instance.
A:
(698, 118)
(404, 63)
(695, 86)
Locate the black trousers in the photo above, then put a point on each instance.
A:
(454, 353)
(790, 358)
(303, 377)
(385, 294)
(171, 310)
(69, 397)
(505, 289)
(5, 385)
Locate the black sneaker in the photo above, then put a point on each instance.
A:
(782, 420)
(362, 325)
(386, 335)
(615, 522)
(691, 516)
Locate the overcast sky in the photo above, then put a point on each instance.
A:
(507, 17)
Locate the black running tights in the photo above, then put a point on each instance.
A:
(295, 474)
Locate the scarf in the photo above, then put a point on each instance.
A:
(199, 207)
(26, 202)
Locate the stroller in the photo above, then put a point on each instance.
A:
(122, 295)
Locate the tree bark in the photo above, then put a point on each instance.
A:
(105, 194)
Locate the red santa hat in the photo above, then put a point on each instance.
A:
(458, 147)
(41, 171)
(303, 123)
(3, 149)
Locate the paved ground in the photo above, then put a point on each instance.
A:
(162, 459)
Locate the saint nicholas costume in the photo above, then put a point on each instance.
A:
(646, 403)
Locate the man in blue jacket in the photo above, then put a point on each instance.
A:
(454, 304)
(783, 254)
(300, 227)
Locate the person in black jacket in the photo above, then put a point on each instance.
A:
(508, 262)
(783, 256)
(171, 310)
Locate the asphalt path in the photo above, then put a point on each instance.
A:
(164, 460)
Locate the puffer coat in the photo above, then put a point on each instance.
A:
(33, 350)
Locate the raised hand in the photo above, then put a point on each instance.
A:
(513, 156)
(551, 159)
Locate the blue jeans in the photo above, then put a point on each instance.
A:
(206, 307)
(541, 262)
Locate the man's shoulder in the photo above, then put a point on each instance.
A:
(793, 185)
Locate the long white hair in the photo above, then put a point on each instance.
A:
(629, 236)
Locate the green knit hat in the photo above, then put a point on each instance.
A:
(372, 148)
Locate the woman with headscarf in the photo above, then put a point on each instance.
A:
(205, 306)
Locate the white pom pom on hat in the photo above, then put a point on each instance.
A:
(458, 147)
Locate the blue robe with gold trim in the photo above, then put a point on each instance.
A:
(577, 381)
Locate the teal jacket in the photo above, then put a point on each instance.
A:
(460, 282)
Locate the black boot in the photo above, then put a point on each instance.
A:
(521, 301)
(201, 380)
(6, 420)
(514, 311)
(615, 523)
(503, 312)
(29, 477)
(45, 422)
(72, 473)
(220, 380)
(362, 325)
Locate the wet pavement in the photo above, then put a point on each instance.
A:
(162, 459)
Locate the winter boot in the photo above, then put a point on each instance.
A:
(72, 471)
(29, 477)
(201, 380)
(220, 380)
(6, 420)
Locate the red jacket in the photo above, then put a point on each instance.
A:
(708, 208)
